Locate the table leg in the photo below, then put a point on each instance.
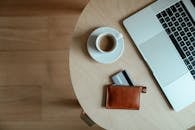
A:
(87, 119)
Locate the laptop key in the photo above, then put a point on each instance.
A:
(185, 38)
(188, 43)
(180, 9)
(182, 33)
(186, 29)
(170, 24)
(167, 19)
(176, 23)
(176, 14)
(187, 53)
(179, 28)
(179, 38)
(173, 19)
(193, 53)
(183, 24)
(173, 29)
(193, 72)
(186, 19)
(169, 12)
(193, 34)
(168, 31)
(189, 34)
(185, 48)
(182, 43)
(159, 15)
(177, 4)
(191, 48)
(183, 14)
(176, 34)
(192, 29)
(189, 24)
(193, 63)
(162, 20)
(191, 39)
(173, 8)
(164, 14)
(165, 25)
(180, 19)
(186, 61)
(190, 67)
(193, 44)
(190, 58)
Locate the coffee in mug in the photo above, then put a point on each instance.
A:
(106, 43)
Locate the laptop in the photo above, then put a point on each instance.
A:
(164, 33)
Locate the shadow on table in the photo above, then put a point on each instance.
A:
(81, 40)
(104, 96)
(71, 103)
(40, 7)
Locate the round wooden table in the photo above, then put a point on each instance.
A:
(89, 77)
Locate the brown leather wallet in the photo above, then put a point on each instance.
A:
(124, 97)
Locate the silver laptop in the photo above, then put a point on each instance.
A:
(164, 33)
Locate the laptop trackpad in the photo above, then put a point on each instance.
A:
(163, 59)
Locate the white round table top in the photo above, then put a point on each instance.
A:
(90, 77)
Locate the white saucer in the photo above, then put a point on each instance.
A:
(104, 58)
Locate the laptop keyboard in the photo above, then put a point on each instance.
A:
(180, 27)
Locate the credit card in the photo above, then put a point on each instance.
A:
(122, 78)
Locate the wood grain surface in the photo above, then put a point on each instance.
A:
(35, 88)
